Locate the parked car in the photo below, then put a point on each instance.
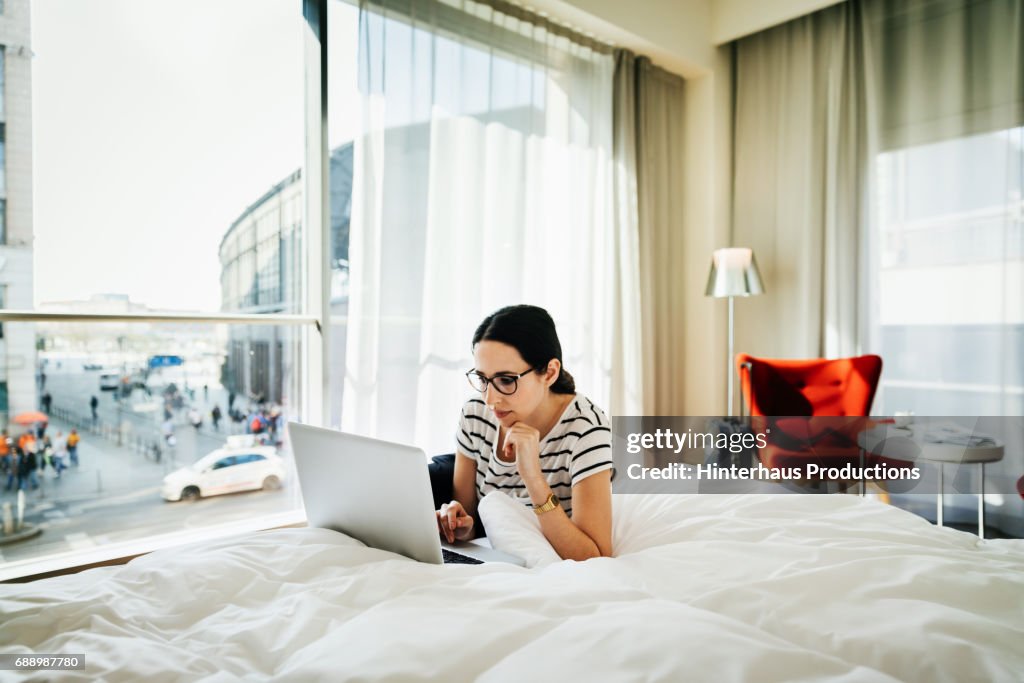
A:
(227, 470)
(110, 381)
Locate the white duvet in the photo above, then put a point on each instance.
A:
(719, 588)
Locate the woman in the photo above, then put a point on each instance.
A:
(531, 436)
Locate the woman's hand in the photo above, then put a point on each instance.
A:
(522, 442)
(454, 522)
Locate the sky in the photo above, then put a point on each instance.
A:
(155, 124)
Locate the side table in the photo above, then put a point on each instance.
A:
(940, 443)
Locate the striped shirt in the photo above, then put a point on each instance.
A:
(578, 446)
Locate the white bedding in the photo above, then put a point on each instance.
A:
(744, 588)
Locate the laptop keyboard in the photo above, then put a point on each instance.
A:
(451, 557)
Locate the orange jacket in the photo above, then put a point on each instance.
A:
(27, 443)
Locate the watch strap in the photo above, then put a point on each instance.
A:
(547, 506)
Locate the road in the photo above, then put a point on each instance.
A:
(114, 494)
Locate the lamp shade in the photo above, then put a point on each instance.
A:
(734, 273)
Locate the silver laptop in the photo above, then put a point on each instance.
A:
(377, 492)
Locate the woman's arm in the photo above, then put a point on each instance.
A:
(464, 482)
(589, 533)
(457, 518)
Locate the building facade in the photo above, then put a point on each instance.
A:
(261, 272)
(18, 386)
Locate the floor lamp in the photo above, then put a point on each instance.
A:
(733, 273)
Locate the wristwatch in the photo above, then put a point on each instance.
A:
(550, 504)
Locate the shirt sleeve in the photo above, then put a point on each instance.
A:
(593, 450)
(465, 442)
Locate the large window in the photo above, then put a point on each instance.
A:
(154, 236)
(3, 80)
(951, 275)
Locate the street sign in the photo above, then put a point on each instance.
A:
(165, 361)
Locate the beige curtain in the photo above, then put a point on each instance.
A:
(648, 143)
(798, 198)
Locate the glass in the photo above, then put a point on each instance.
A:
(343, 126)
(503, 383)
(150, 217)
(949, 252)
(147, 400)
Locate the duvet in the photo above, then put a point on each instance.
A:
(703, 587)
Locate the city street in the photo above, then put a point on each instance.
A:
(114, 494)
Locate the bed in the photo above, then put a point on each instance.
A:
(703, 587)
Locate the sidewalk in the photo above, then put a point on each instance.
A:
(105, 470)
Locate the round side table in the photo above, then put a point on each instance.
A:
(937, 443)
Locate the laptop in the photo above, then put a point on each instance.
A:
(377, 492)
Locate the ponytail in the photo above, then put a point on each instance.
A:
(563, 384)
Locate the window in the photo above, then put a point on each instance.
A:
(951, 275)
(3, 78)
(226, 462)
(189, 154)
(144, 395)
(259, 360)
(3, 157)
(166, 221)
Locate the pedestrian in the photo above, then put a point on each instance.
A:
(47, 402)
(27, 441)
(6, 453)
(73, 440)
(27, 470)
(254, 424)
(195, 418)
(206, 392)
(274, 424)
(45, 453)
(14, 473)
(60, 449)
(167, 429)
(94, 404)
(215, 415)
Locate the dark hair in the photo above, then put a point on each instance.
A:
(530, 331)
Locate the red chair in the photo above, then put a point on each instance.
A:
(841, 387)
(818, 388)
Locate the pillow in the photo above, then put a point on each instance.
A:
(514, 528)
(638, 522)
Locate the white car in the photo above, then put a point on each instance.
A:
(109, 381)
(226, 470)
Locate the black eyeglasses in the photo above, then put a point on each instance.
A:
(504, 383)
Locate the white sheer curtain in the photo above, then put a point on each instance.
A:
(483, 178)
